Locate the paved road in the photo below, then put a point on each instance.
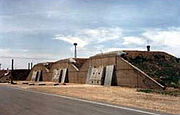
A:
(19, 102)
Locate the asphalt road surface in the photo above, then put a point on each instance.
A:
(20, 102)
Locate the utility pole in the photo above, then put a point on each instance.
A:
(12, 65)
(12, 68)
(75, 51)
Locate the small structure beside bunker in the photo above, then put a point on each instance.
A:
(16, 74)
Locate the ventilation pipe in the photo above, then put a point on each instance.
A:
(75, 51)
(148, 48)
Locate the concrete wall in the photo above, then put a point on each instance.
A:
(129, 75)
(82, 73)
(76, 71)
(45, 72)
(126, 74)
(62, 64)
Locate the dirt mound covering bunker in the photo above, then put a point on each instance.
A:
(161, 66)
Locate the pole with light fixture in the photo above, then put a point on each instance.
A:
(75, 50)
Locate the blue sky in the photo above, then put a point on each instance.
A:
(46, 29)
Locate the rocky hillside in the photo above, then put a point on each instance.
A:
(160, 66)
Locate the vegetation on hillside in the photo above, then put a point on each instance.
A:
(160, 66)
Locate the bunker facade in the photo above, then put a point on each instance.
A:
(102, 69)
(72, 70)
(40, 72)
(118, 71)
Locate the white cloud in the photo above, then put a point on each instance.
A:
(103, 34)
(170, 38)
(166, 40)
(163, 40)
(88, 36)
(52, 13)
(22, 57)
(133, 40)
(119, 49)
(91, 40)
(72, 39)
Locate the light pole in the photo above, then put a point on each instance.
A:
(75, 51)
(12, 69)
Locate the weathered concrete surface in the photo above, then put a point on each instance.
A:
(19, 102)
(96, 76)
(44, 67)
(126, 74)
(76, 70)
(109, 75)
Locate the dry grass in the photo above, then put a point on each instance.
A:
(115, 95)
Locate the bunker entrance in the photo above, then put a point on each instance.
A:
(60, 75)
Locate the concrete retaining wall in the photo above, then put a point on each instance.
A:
(126, 74)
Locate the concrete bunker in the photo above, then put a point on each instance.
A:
(118, 71)
(40, 72)
(110, 69)
(70, 70)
